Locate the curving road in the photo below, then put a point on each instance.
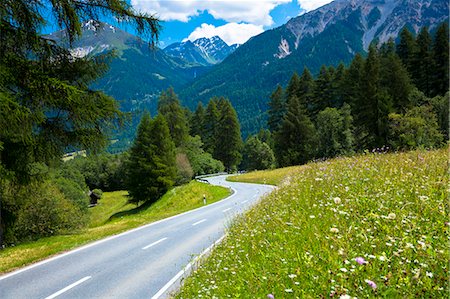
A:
(147, 262)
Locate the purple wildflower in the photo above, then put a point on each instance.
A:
(371, 283)
(270, 296)
(361, 260)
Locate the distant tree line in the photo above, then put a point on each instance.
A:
(397, 96)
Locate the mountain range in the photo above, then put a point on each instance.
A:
(247, 74)
(329, 35)
(203, 51)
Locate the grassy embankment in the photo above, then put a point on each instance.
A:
(369, 226)
(111, 216)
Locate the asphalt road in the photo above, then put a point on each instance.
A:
(146, 262)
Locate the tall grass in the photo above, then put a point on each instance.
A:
(370, 226)
(113, 215)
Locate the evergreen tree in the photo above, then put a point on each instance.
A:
(198, 121)
(210, 126)
(423, 62)
(406, 49)
(395, 78)
(293, 87)
(276, 109)
(296, 141)
(323, 92)
(376, 105)
(353, 80)
(151, 169)
(440, 83)
(306, 90)
(169, 106)
(229, 145)
(46, 103)
(337, 96)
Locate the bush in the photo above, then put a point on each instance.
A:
(42, 210)
(417, 128)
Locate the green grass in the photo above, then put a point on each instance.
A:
(390, 212)
(111, 216)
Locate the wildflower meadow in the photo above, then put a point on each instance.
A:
(374, 225)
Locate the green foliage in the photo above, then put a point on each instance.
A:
(228, 142)
(151, 168)
(201, 161)
(169, 106)
(276, 109)
(197, 122)
(38, 210)
(335, 132)
(417, 128)
(296, 141)
(440, 83)
(424, 63)
(98, 193)
(103, 171)
(257, 155)
(210, 126)
(440, 105)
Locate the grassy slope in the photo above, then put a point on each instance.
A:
(112, 216)
(302, 241)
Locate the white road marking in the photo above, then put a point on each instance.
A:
(244, 201)
(198, 222)
(186, 269)
(154, 243)
(226, 210)
(114, 237)
(68, 287)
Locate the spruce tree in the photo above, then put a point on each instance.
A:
(169, 106)
(323, 93)
(440, 82)
(306, 90)
(423, 62)
(406, 49)
(395, 78)
(296, 141)
(293, 87)
(276, 109)
(198, 122)
(150, 169)
(212, 117)
(228, 143)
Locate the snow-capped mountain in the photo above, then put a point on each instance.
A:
(203, 51)
(137, 74)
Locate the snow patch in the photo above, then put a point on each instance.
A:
(283, 49)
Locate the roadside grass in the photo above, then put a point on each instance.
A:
(270, 177)
(369, 226)
(111, 216)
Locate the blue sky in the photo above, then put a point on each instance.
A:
(235, 21)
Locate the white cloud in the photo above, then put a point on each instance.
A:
(250, 11)
(231, 33)
(312, 4)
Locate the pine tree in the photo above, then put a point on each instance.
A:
(276, 109)
(337, 95)
(151, 166)
(296, 141)
(423, 62)
(46, 103)
(406, 49)
(306, 90)
(440, 81)
(293, 87)
(198, 121)
(323, 93)
(352, 84)
(169, 106)
(229, 145)
(395, 78)
(373, 112)
(212, 117)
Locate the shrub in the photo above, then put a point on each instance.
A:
(184, 169)
(43, 211)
